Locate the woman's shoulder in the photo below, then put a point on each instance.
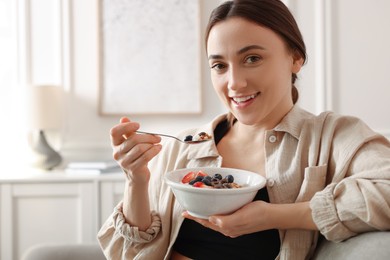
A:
(342, 128)
(328, 119)
(326, 124)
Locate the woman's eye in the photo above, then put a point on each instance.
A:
(218, 66)
(252, 59)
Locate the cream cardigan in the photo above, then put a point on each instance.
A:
(336, 162)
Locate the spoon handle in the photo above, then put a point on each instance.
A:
(149, 133)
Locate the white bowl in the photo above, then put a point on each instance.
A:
(205, 202)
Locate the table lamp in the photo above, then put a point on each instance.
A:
(45, 109)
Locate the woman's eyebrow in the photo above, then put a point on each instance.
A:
(215, 56)
(241, 51)
(250, 47)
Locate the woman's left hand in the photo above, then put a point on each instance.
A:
(258, 216)
(248, 219)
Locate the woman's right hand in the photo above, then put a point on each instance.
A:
(133, 151)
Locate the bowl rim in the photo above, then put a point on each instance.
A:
(189, 188)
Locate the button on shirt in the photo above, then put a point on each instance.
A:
(270, 182)
(326, 159)
(272, 138)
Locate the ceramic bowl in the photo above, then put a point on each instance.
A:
(204, 202)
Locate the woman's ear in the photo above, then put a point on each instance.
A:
(297, 62)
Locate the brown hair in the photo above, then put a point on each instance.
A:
(272, 14)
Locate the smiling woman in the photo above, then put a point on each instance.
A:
(319, 169)
(246, 57)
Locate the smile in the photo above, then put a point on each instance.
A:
(239, 100)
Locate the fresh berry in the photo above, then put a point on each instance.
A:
(192, 176)
(188, 138)
(188, 177)
(229, 178)
(197, 178)
(207, 180)
(217, 176)
(201, 179)
(199, 184)
(200, 173)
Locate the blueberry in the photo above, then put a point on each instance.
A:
(192, 182)
(207, 180)
(217, 176)
(198, 178)
(229, 178)
(188, 138)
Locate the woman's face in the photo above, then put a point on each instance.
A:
(251, 70)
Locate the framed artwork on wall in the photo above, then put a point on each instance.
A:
(149, 60)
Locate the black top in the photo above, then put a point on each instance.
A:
(198, 242)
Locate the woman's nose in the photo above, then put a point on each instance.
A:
(236, 79)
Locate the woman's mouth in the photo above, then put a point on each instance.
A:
(244, 100)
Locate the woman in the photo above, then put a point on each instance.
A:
(327, 174)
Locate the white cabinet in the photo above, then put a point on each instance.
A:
(111, 193)
(54, 207)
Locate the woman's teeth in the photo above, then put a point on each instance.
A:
(243, 99)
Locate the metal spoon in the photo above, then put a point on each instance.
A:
(174, 137)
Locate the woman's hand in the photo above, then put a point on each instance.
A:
(133, 151)
(248, 219)
(258, 216)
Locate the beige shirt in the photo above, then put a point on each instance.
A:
(336, 162)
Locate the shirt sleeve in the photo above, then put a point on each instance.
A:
(119, 240)
(357, 199)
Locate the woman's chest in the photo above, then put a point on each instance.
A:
(249, 158)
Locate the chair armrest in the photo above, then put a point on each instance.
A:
(371, 245)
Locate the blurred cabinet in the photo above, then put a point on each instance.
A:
(54, 208)
(111, 193)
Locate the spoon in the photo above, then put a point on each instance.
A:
(177, 139)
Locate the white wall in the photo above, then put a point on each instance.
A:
(85, 127)
(76, 67)
(346, 70)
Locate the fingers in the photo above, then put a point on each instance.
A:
(138, 156)
(124, 120)
(218, 223)
(203, 222)
(133, 151)
(120, 132)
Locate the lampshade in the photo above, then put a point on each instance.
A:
(45, 107)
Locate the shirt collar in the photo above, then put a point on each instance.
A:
(293, 121)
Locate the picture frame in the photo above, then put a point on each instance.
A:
(149, 57)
